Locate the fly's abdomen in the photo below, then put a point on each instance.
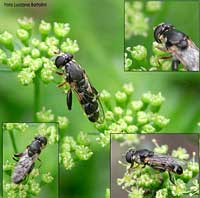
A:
(23, 167)
(92, 111)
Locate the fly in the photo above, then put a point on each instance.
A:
(155, 161)
(26, 160)
(76, 77)
(179, 45)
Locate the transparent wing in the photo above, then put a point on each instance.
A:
(189, 57)
(159, 159)
(23, 167)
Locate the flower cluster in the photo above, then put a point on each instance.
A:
(31, 56)
(125, 115)
(75, 150)
(20, 127)
(46, 115)
(30, 187)
(145, 181)
(136, 59)
(136, 22)
(71, 149)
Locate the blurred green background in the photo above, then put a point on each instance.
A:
(98, 27)
(48, 163)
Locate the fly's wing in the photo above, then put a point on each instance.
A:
(189, 57)
(23, 167)
(163, 162)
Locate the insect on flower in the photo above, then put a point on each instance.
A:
(26, 160)
(156, 161)
(179, 45)
(80, 84)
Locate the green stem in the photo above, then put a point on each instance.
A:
(13, 141)
(36, 96)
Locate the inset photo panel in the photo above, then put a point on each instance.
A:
(30, 160)
(154, 165)
(162, 35)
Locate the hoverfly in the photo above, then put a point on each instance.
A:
(179, 45)
(156, 161)
(80, 84)
(26, 160)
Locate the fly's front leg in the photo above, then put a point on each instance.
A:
(129, 170)
(60, 73)
(69, 99)
(61, 84)
(163, 58)
(16, 156)
(171, 178)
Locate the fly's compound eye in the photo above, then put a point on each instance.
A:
(178, 170)
(129, 155)
(60, 61)
(160, 30)
(42, 140)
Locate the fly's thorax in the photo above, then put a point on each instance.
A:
(177, 38)
(34, 147)
(74, 70)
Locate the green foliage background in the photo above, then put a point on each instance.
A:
(98, 27)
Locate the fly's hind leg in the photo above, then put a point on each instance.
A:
(171, 178)
(175, 64)
(40, 162)
(69, 99)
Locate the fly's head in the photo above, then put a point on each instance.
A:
(63, 59)
(41, 140)
(160, 30)
(130, 155)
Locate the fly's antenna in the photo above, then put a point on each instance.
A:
(59, 52)
(122, 163)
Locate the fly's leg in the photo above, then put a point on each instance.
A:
(171, 178)
(60, 73)
(16, 156)
(61, 84)
(131, 167)
(129, 170)
(175, 64)
(15, 159)
(163, 58)
(69, 99)
(144, 166)
(40, 162)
